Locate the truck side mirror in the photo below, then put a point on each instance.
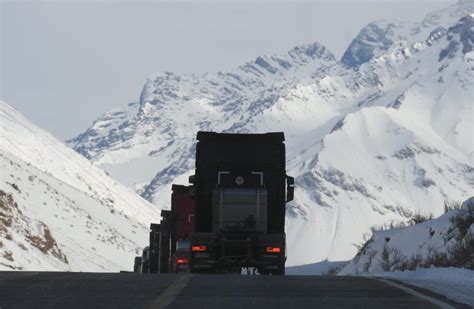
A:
(290, 188)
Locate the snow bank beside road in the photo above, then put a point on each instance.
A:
(435, 254)
(447, 241)
(455, 283)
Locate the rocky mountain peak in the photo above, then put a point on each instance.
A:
(459, 36)
(313, 50)
(372, 40)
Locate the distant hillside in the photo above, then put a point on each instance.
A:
(60, 212)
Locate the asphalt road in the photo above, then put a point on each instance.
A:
(128, 290)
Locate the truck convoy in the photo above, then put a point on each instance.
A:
(233, 213)
(168, 251)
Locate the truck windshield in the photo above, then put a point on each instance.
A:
(242, 209)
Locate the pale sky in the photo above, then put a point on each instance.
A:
(63, 63)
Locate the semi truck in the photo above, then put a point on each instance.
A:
(232, 215)
(240, 188)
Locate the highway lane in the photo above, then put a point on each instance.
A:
(128, 290)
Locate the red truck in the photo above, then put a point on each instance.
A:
(182, 225)
(169, 240)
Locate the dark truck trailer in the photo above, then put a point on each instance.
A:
(240, 189)
(166, 252)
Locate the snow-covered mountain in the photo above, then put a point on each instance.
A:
(60, 212)
(380, 135)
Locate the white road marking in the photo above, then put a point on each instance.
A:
(171, 292)
(432, 300)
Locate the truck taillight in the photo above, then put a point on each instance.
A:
(273, 249)
(198, 248)
(182, 261)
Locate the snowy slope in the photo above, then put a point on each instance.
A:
(381, 135)
(434, 242)
(59, 211)
(435, 254)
